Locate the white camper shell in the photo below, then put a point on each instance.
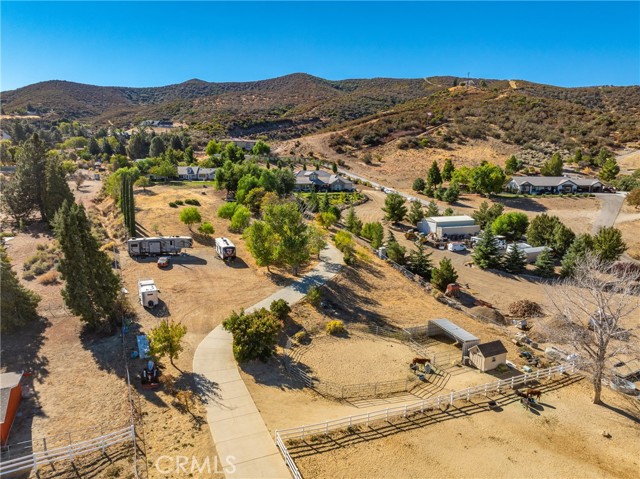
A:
(148, 293)
(225, 249)
(158, 245)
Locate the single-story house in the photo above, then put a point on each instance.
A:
(312, 180)
(196, 173)
(538, 185)
(488, 356)
(10, 395)
(448, 225)
(240, 143)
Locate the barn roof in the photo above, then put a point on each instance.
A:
(453, 329)
(491, 349)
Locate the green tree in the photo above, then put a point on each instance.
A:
(189, 216)
(93, 147)
(452, 194)
(432, 209)
(189, 157)
(164, 169)
(545, 230)
(434, 177)
(443, 275)
(240, 219)
(157, 147)
(292, 245)
(514, 261)
(420, 262)
(544, 264)
(396, 252)
(261, 242)
(418, 185)
(577, 158)
(374, 233)
(486, 215)
(280, 309)
(232, 153)
(254, 335)
(143, 182)
(415, 213)
(608, 244)
(285, 181)
(486, 253)
(326, 219)
(578, 250)
(253, 200)
(334, 168)
(261, 148)
(137, 147)
(206, 229)
(610, 170)
(56, 190)
(447, 170)
(345, 243)
(18, 304)
(512, 225)
(462, 176)
(352, 223)
(394, 207)
(317, 240)
(127, 201)
(213, 148)
(552, 167)
(325, 203)
(166, 340)
(487, 179)
(227, 210)
(91, 288)
(511, 165)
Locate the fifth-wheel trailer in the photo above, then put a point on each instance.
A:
(158, 245)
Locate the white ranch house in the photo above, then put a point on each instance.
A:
(310, 180)
(196, 173)
(537, 185)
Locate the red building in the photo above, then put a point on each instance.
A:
(10, 395)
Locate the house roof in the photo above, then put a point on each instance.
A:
(8, 381)
(451, 219)
(553, 180)
(491, 349)
(319, 177)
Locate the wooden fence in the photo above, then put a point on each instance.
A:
(68, 452)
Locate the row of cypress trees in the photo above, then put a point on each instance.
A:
(127, 203)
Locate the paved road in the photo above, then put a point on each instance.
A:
(611, 204)
(238, 431)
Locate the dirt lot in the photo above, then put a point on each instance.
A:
(628, 221)
(197, 289)
(562, 437)
(357, 359)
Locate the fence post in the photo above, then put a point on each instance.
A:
(451, 399)
(368, 415)
(326, 428)
(302, 432)
(512, 382)
(485, 390)
(35, 461)
(44, 444)
(387, 410)
(468, 393)
(405, 411)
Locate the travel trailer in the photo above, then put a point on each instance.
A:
(158, 245)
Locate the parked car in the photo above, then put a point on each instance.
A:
(456, 247)
(164, 262)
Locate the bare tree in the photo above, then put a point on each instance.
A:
(590, 308)
(79, 178)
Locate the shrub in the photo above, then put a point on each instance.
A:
(179, 202)
(314, 296)
(51, 277)
(301, 337)
(227, 210)
(443, 275)
(173, 204)
(335, 327)
(280, 309)
(192, 202)
(206, 229)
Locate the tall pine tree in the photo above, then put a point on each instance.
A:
(514, 261)
(56, 189)
(91, 288)
(486, 253)
(18, 304)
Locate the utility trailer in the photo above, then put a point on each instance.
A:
(148, 293)
(158, 245)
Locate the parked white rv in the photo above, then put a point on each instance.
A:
(529, 251)
(225, 249)
(148, 293)
(158, 245)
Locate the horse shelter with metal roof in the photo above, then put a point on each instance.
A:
(444, 326)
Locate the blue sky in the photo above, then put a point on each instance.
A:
(159, 43)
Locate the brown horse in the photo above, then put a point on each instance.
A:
(421, 361)
(536, 393)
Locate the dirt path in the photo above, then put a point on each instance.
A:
(611, 205)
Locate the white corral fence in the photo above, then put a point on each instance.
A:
(68, 452)
(324, 428)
